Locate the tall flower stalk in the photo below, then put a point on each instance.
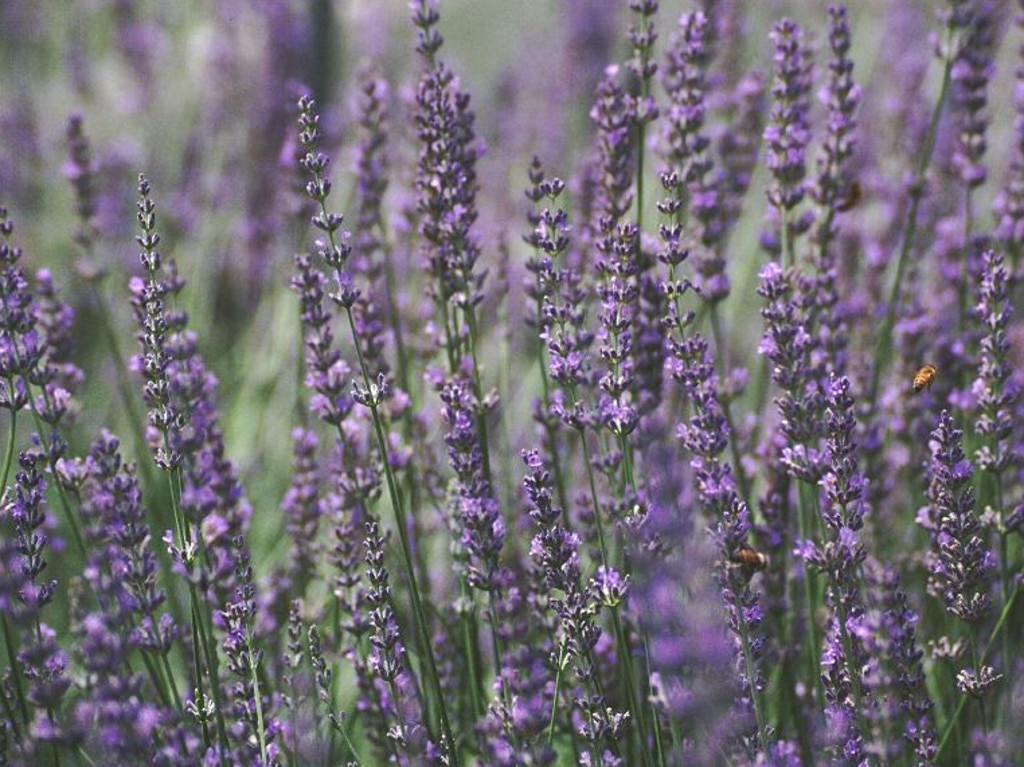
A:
(369, 392)
(956, 23)
(787, 136)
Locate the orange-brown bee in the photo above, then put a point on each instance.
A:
(850, 197)
(924, 377)
(750, 560)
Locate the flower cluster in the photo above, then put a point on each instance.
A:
(406, 469)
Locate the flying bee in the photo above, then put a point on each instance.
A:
(749, 560)
(850, 197)
(924, 377)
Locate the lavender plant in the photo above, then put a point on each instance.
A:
(606, 477)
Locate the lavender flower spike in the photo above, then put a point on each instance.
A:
(788, 133)
(960, 561)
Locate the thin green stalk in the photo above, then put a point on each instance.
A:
(786, 239)
(201, 642)
(155, 675)
(629, 679)
(554, 696)
(472, 659)
(637, 696)
(135, 419)
(403, 380)
(301, 411)
(554, 455)
(884, 349)
(345, 739)
(401, 518)
(15, 666)
(76, 531)
(641, 142)
(806, 525)
(481, 419)
(1005, 575)
(659, 747)
(401, 522)
(168, 673)
(390, 281)
(451, 346)
(851, 668)
(734, 449)
(504, 437)
(257, 698)
(593, 495)
(620, 637)
(198, 670)
(641, 138)
(751, 673)
(497, 652)
(965, 271)
(210, 656)
(951, 725)
(402, 366)
(12, 428)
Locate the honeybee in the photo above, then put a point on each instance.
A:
(850, 197)
(750, 560)
(924, 377)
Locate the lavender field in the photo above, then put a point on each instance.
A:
(572, 382)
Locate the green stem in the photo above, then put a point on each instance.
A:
(726, 402)
(659, 747)
(626, 661)
(345, 739)
(751, 673)
(65, 504)
(625, 656)
(398, 506)
(15, 666)
(209, 653)
(785, 239)
(951, 725)
(554, 696)
(481, 418)
(593, 495)
(401, 522)
(884, 349)
(12, 429)
(135, 419)
(258, 700)
(198, 670)
(806, 527)
(472, 660)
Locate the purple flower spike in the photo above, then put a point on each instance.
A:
(789, 129)
(184, 425)
(996, 391)
(970, 75)
(690, 165)
(706, 436)
(479, 517)
(1009, 204)
(960, 562)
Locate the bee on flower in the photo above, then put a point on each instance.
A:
(749, 560)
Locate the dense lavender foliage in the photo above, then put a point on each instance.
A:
(707, 450)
